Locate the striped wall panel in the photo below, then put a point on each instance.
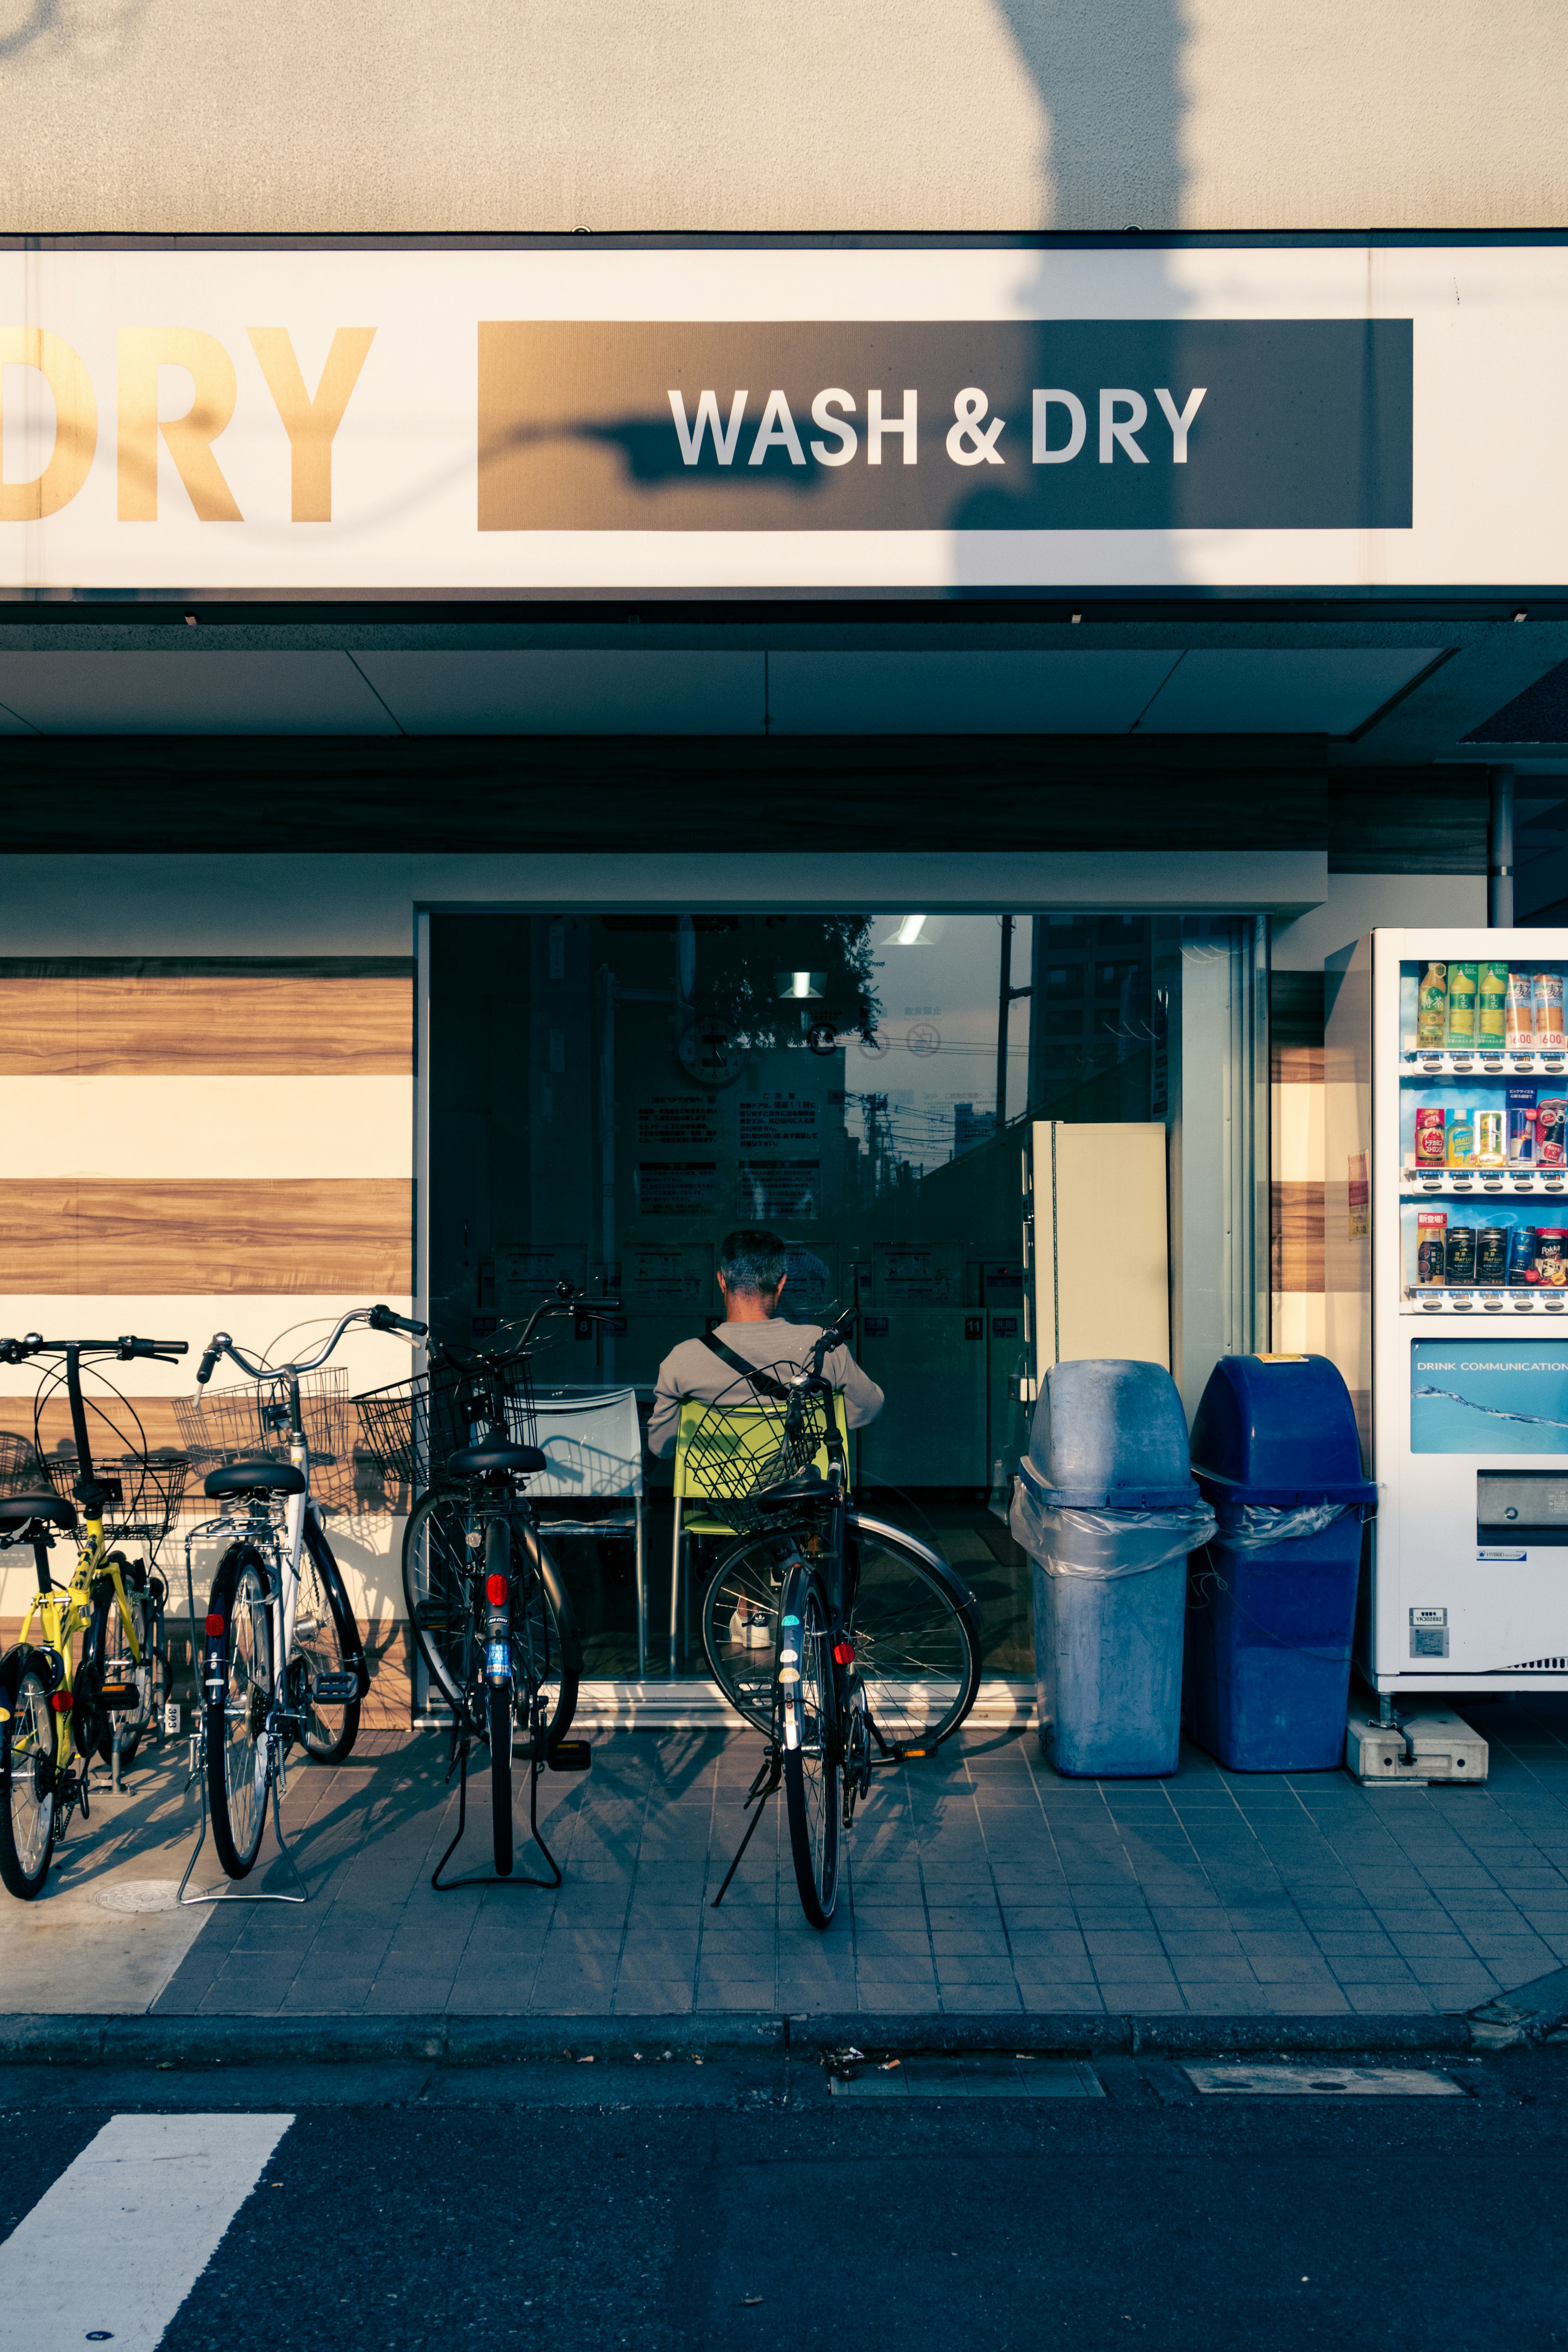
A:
(195, 1145)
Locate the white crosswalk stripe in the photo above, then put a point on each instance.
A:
(115, 2246)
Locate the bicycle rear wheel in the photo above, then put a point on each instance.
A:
(239, 1660)
(109, 1651)
(437, 1589)
(326, 1641)
(916, 1632)
(808, 1712)
(740, 1619)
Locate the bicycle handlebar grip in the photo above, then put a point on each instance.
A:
(215, 1346)
(382, 1318)
(167, 1347)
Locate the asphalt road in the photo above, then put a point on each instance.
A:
(674, 2205)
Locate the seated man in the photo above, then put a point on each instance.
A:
(752, 1279)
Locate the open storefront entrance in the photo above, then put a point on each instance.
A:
(611, 1092)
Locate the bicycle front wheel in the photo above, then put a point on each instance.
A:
(437, 1592)
(240, 1659)
(28, 1780)
(808, 1713)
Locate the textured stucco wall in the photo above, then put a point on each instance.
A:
(398, 115)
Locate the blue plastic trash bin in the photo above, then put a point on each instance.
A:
(1271, 1603)
(1106, 1507)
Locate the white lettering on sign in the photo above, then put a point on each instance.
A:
(776, 431)
(707, 417)
(1079, 427)
(877, 425)
(966, 444)
(1113, 428)
(1180, 419)
(848, 439)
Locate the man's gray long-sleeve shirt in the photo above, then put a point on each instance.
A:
(693, 1371)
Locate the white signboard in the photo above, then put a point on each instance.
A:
(505, 424)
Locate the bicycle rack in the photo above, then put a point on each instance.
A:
(462, 1740)
(230, 1892)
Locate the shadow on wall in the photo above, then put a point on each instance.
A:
(90, 32)
(1109, 80)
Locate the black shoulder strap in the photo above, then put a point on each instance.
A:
(764, 1382)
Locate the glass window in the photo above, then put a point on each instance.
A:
(610, 1094)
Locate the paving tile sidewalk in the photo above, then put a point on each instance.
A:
(976, 1882)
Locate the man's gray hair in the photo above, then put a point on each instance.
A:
(751, 1260)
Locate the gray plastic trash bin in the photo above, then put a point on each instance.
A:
(1107, 1507)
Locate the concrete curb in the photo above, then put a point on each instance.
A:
(447, 2041)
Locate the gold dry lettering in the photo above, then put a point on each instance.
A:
(76, 423)
(311, 425)
(189, 438)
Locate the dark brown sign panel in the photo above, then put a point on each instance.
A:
(1065, 424)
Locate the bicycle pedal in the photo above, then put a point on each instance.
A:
(334, 1690)
(119, 1697)
(570, 1756)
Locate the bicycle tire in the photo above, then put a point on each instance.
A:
(27, 1780)
(237, 1719)
(327, 1638)
(498, 1703)
(808, 1725)
(437, 1594)
(914, 1624)
(108, 1654)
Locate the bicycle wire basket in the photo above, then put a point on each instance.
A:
(151, 1485)
(249, 1423)
(411, 1429)
(742, 1445)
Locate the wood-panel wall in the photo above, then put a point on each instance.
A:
(185, 1022)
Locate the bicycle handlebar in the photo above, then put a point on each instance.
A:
(379, 1318)
(17, 1351)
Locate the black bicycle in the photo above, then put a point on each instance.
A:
(484, 1595)
(844, 1640)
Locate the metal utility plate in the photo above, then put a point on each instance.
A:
(983, 2077)
(1323, 2082)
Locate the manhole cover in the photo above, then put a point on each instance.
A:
(140, 1894)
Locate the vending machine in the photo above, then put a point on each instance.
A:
(1446, 1211)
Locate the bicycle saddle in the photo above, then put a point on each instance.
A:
(17, 1509)
(493, 1457)
(255, 1478)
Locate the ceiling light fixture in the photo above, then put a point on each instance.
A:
(908, 934)
(800, 983)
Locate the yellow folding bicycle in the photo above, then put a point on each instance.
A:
(57, 1711)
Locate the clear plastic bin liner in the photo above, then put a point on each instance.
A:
(1254, 1527)
(1105, 1544)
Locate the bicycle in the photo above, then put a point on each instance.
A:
(282, 1659)
(484, 1595)
(57, 1712)
(831, 1632)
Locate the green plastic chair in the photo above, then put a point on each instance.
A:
(733, 1439)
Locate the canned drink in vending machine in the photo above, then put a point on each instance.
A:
(1431, 1244)
(1491, 1255)
(1491, 1140)
(1551, 1119)
(1431, 1137)
(1520, 1126)
(1522, 1255)
(1551, 1262)
(1459, 1257)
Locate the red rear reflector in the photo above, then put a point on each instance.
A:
(844, 1654)
(496, 1589)
(61, 1701)
(216, 1627)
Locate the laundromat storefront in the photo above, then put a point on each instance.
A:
(764, 705)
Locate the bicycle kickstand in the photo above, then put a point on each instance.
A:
(768, 1777)
(493, 1878)
(230, 1893)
